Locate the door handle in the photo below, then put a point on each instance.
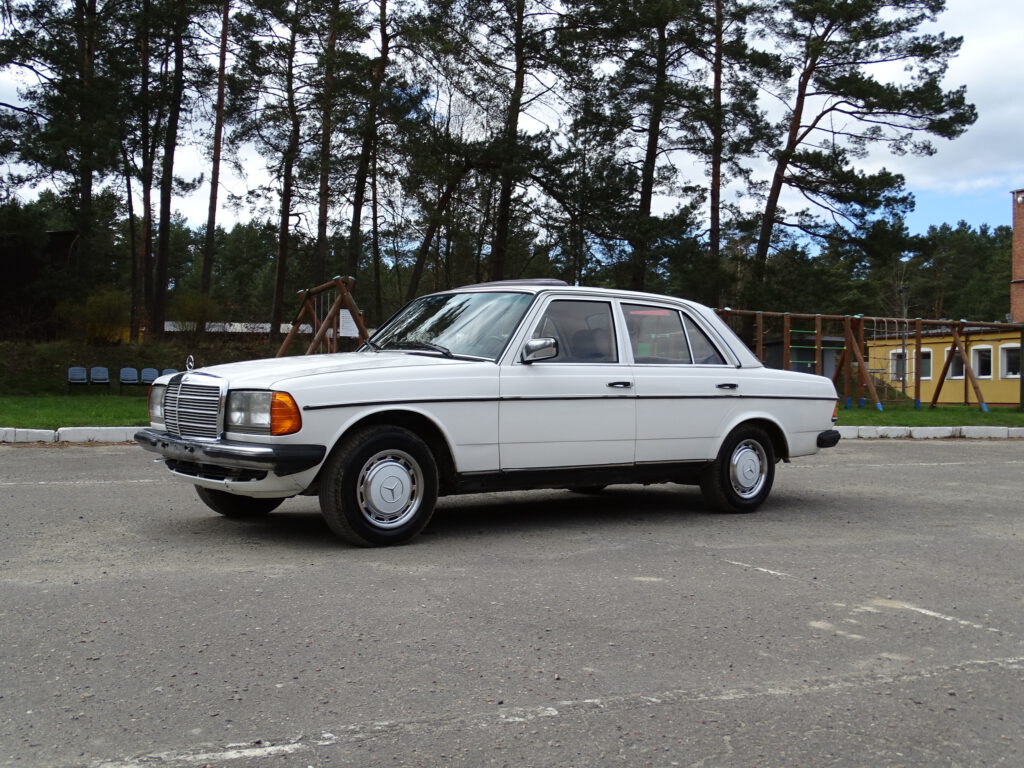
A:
(728, 385)
(620, 384)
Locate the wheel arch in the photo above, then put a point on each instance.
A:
(419, 424)
(775, 432)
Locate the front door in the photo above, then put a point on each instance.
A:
(574, 409)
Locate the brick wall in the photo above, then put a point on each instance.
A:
(1017, 284)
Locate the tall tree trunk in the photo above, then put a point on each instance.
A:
(291, 155)
(783, 158)
(209, 243)
(510, 146)
(163, 251)
(326, 136)
(642, 239)
(378, 290)
(146, 172)
(717, 152)
(369, 141)
(433, 224)
(85, 12)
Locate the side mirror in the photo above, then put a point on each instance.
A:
(540, 349)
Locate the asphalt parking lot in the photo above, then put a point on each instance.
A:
(871, 614)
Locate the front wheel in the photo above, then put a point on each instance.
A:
(741, 478)
(232, 505)
(379, 488)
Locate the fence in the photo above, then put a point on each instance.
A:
(886, 359)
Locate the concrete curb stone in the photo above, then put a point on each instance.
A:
(934, 433)
(127, 434)
(96, 434)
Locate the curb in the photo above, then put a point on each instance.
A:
(69, 435)
(932, 433)
(127, 434)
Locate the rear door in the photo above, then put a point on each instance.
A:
(685, 389)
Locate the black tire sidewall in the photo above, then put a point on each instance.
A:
(338, 489)
(235, 506)
(715, 483)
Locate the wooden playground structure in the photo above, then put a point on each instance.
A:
(320, 310)
(886, 359)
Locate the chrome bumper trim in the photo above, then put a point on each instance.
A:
(280, 459)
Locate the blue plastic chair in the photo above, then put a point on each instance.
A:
(99, 374)
(127, 377)
(166, 371)
(148, 376)
(77, 375)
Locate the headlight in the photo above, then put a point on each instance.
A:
(263, 413)
(156, 403)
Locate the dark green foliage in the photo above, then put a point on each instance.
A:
(418, 147)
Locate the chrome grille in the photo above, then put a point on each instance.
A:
(192, 410)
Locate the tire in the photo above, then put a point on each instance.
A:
(741, 478)
(379, 487)
(239, 507)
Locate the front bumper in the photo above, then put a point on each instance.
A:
(279, 459)
(828, 439)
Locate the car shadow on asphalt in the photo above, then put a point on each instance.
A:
(619, 508)
(298, 523)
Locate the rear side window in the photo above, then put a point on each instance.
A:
(656, 335)
(704, 352)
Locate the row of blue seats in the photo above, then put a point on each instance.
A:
(98, 374)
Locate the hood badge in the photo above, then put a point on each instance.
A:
(190, 363)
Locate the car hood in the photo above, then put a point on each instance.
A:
(270, 372)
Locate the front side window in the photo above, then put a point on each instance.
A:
(583, 330)
(1009, 361)
(476, 325)
(656, 335)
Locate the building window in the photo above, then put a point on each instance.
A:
(1009, 361)
(981, 362)
(956, 367)
(897, 365)
(926, 363)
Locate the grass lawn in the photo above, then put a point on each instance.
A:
(129, 410)
(904, 415)
(75, 410)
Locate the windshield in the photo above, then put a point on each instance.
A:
(464, 324)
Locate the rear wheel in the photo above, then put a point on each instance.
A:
(230, 505)
(741, 478)
(379, 488)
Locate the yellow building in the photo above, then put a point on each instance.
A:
(993, 356)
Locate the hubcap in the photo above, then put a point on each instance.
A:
(748, 469)
(389, 489)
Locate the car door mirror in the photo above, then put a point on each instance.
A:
(540, 349)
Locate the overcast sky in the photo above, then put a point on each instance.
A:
(971, 177)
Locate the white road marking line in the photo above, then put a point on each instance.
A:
(827, 627)
(762, 570)
(899, 604)
(81, 482)
(579, 707)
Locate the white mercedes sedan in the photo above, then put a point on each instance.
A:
(500, 386)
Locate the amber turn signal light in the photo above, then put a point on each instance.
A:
(285, 418)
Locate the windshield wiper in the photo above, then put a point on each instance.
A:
(371, 345)
(410, 344)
